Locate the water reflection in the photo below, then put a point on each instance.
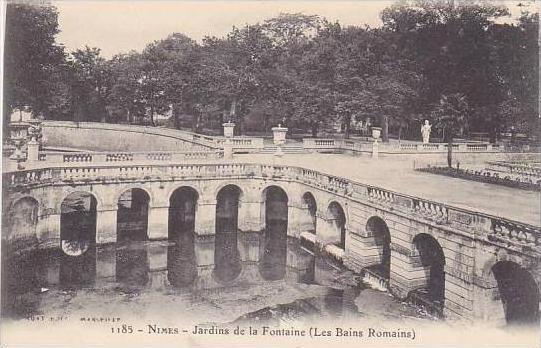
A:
(132, 264)
(227, 257)
(181, 261)
(274, 250)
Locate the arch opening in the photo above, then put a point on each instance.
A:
(132, 215)
(378, 229)
(78, 223)
(308, 218)
(432, 259)
(182, 210)
(336, 225)
(181, 261)
(274, 246)
(227, 262)
(519, 293)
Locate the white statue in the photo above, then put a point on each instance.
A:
(425, 131)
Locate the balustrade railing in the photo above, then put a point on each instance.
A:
(495, 228)
(123, 157)
(404, 147)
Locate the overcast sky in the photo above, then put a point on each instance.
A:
(121, 26)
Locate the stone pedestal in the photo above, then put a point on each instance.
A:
(33, 151)
(279, 138)
(228, 149)
(229, 128)
(376, 132)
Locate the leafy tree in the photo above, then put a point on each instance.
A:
(124, 99)
(35, 72)
(450, 114)
(91, 84)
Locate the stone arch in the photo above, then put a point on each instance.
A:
(78, 213)
(308, 218)
(123, 189)
(273, 251)
(182, 210)
(519, 293)
(75, 190)
(227, 263)
(336, 224)
(269, 196)
(379, 233)
(22, 220)
(132, 214)
(177, 187)
(428, 254)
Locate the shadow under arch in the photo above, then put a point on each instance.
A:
(432, 258)
(273, 252)
(227, 262)
(132, 215)
(378, 229)
(337, 224)
(519, 293)
(181, 254)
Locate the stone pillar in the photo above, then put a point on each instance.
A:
(279, 137)
(248, 244)
(158, 222)
(328, 231)
(376, 132)
(487, 304)
(228, 149)
(106, 224)
(407, 274)
(205, 217)
(361, 251)
(250, 214)
(229, 128)
(48, 229)
(33, 151)
(293, 220)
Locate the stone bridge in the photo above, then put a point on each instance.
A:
(468, 262)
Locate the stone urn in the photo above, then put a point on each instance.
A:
(279, 138)
(229, 128)
(376, 133)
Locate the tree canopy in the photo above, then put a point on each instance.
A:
(456, 65)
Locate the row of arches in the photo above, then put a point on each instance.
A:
(518, 290)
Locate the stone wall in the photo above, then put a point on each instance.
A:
(115, 137)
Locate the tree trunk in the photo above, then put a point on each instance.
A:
(385, 129)
(195, 121)
(152, 116)
(347, 127)
(450, 151)
(315, 129)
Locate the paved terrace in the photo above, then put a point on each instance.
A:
(395, 175)
(399, 176)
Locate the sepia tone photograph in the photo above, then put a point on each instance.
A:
(362, 173)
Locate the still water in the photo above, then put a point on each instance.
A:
(224, 278)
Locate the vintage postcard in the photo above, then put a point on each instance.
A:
(270, 174)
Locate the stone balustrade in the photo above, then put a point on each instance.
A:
(366, 146)
(492, 228)
(52, 157)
